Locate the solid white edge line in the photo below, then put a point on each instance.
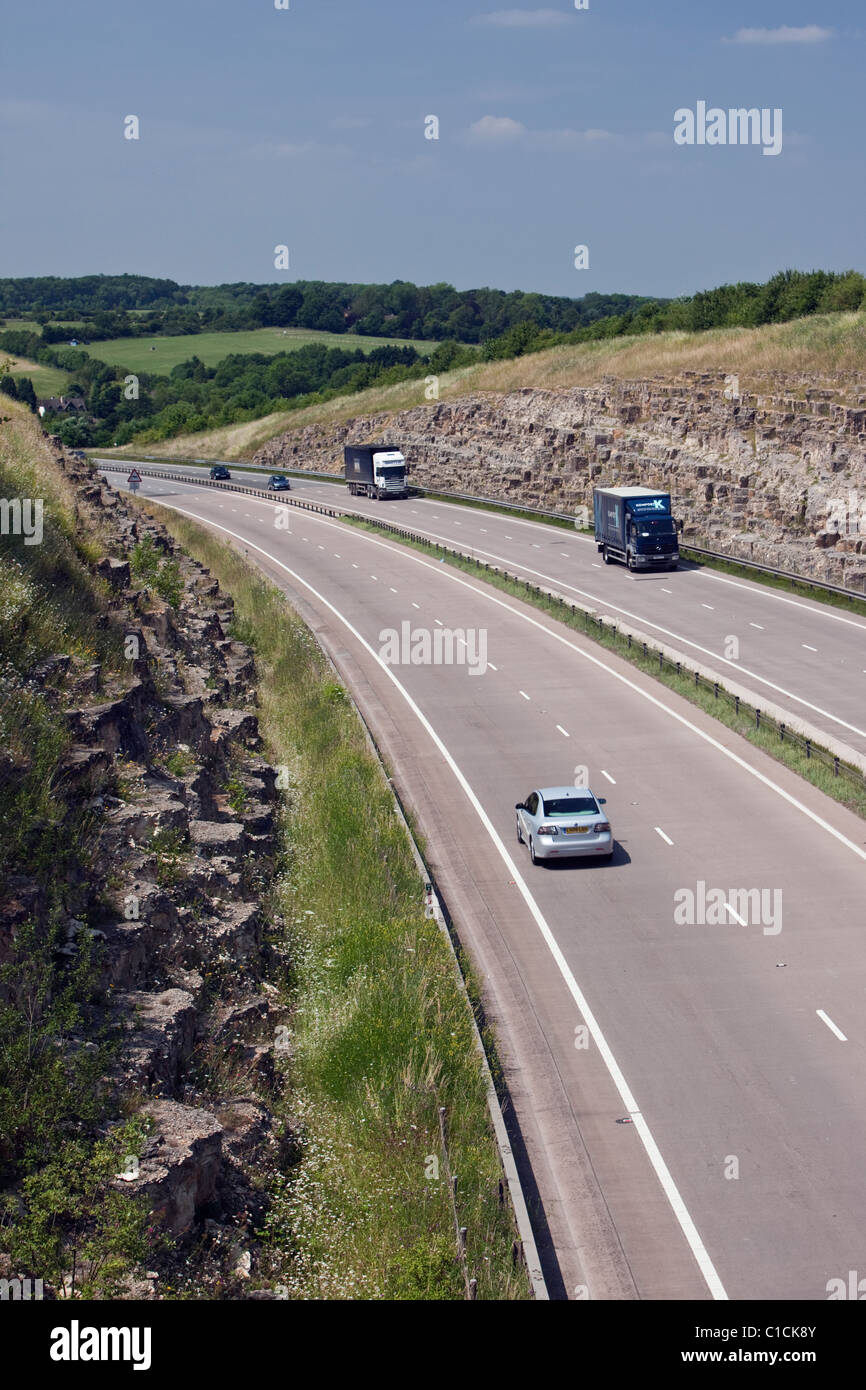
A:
(687, 1226)
(678, 637)
(831, 1025)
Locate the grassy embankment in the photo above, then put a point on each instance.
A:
(381, 1031)
(831, 347)
(59, 1207)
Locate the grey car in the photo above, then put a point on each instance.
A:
(563, 823)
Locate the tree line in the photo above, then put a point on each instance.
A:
(244, 387)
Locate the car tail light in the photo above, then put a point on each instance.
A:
(602, 826)
(548, 830)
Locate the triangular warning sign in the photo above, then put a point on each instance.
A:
(134, 477)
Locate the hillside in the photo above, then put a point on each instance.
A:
(832, 347)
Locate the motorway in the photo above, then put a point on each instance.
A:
(691, 1097)
(808, 658)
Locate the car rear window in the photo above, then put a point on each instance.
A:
(571, 806)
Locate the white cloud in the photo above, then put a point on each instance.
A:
(493, 130)
(496, 128)
(808, 33)
(523, 19)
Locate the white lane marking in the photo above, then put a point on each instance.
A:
(596, 565)
(617, 608)
(492, 667)
(524, 694)
(736, 916)
(337, 555)
(831, 1025)
(508, 538)
(761, 592)
(372, 576)
(653, 1152)
(806, 647)
(666, 838)
(534, 546)
(391, 587)
(708, 605)
(585, 655)
(484, 530)
(305, 539)
(414, 511)
(757, 625)
(667, 591)
(320, 547)
(438, 620)
(608, 776)
(564, 554)
(417, 605)
(458, 523)
(563, 731)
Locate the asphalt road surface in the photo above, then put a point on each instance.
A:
(691, 1093)
(807, 657)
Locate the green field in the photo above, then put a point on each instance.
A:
(47, 381)
(160, 354)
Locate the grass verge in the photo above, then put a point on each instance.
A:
(381, 1033)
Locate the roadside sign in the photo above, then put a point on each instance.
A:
(134, 480)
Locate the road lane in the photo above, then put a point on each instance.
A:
(718, 1039)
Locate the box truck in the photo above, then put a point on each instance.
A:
(634, 524)
(375, 470)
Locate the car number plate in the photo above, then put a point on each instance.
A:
(576, 829)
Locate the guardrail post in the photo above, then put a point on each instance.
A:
(757, 719)
(808, 748)
(835, 767)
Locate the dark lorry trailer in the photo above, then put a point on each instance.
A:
(634, 524)
(375, 470)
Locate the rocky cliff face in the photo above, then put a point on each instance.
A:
(776, 475)
(166, 757)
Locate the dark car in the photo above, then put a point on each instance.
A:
(278, 482)
(220, 474)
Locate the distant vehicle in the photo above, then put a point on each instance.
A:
(562, 823)
(375, 470)
(278, 482)
(220, 474)
(78, 454)
(634, 524)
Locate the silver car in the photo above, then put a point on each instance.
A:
(563, 822)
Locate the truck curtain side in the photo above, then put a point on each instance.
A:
(635, 525)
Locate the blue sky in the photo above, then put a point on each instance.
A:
(305, 127)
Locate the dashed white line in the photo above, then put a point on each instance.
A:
(666, 838)
(736, 916)
(391, 587)
(534, 546)
(563, 731)
(806, 647)
(354, 566)
(492, 667)
(564, 554)
(757, 625)
(524, 694)
(438, 620)
(831, 1025)
(373, 576)
(415, 605)
(612, 780)
(667, 591)
(708, 605)
(484, 530)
